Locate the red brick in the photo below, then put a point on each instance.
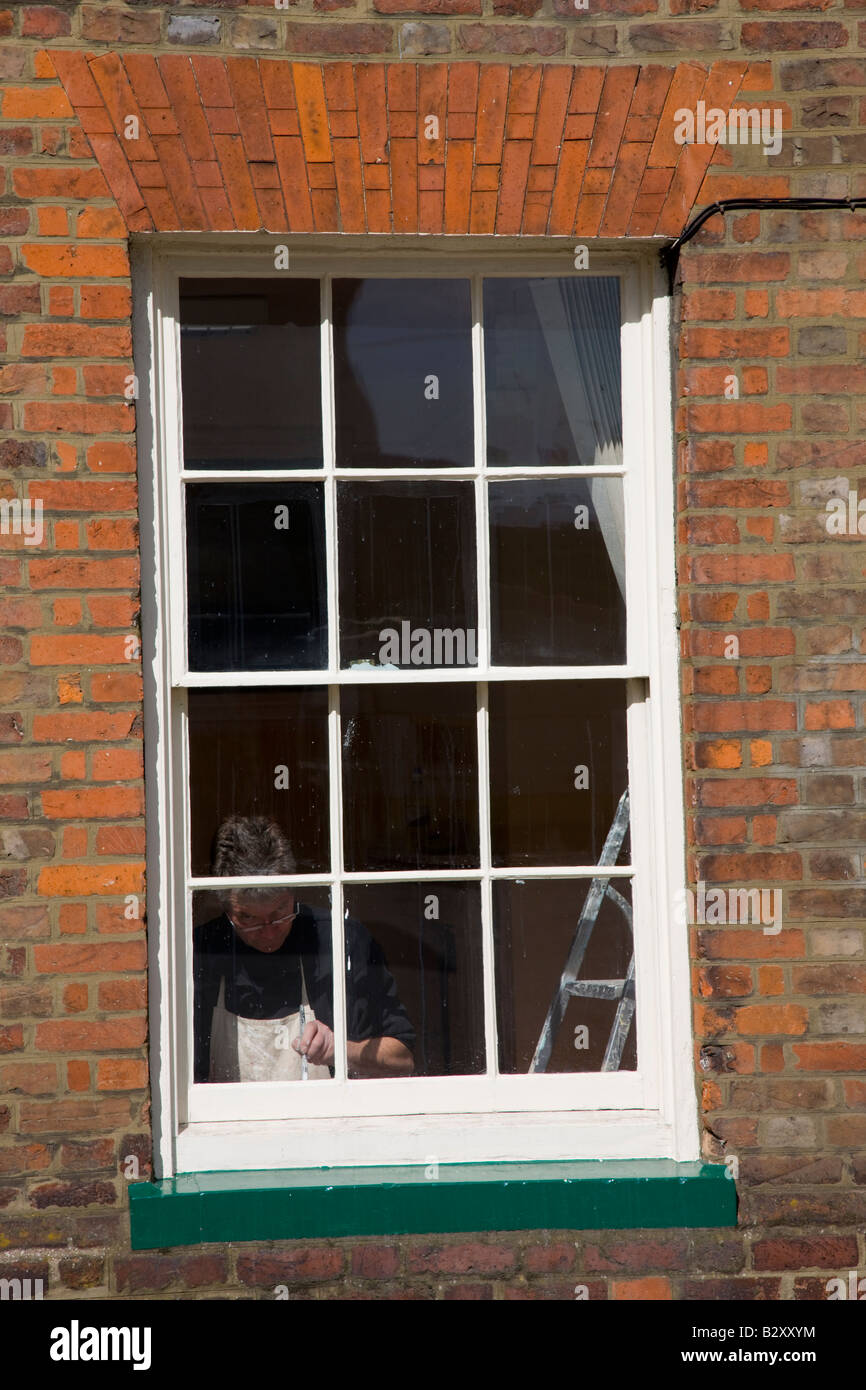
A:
(91, 802)
(74, 1035)
(79, 880)
(72, 1194)
(35, 103)
(339, 39)
(654, 1288)
(556, 1258)
(158, 1271)
(830, 1056)
(101, 957)
(375, 1261)
(818, 1252)
(29, 1078)
(544, 39)
(62, 573)
(306, 1264)
(122, 996)
(121, 1074)
(477, 1258)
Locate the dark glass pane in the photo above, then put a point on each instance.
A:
(431, 938)
(535, 928)
(410, 777)
(557, 572)
(256, 576)
(552, 371)
(558, 768)
(403, 373)
(250, 373)
(262, 976)
(260, 753)
(407, 574)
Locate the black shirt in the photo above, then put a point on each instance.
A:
(267, 984)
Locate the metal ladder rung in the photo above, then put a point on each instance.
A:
(595, 989)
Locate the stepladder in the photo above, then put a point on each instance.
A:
(570, 985)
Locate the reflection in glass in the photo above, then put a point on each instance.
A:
(410, 777)
(250, 373)
(262, 975)
(255, 752)
(557, 589)
(431, 936)
(552, 371)
(256, 576)
(403, 373)
(538, 928)
(558, 767)
(407, 573)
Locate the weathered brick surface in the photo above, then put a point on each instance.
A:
(557, 122)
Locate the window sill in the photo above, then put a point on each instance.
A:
(195, 1208)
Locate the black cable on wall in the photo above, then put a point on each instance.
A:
(670, 254)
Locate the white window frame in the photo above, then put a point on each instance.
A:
(650, 1113)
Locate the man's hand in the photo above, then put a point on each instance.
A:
(316, 1043)
(379, 1057)
(375, 1057)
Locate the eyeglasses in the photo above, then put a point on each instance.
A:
(260, 926)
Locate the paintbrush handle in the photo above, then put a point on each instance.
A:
(303, 1024)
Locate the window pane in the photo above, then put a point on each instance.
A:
(260, 753)
(557, 572)
(407, 574)
(261, 976)
(410, 777)
(256, 576)
(430, 934)
(403, 373)
(541, 931)
(552, 371)
(558, 768)
(250, 372)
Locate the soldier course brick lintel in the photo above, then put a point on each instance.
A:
(206, 143)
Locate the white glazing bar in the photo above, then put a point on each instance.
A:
(549, 470)
(480, 448)
(519, 871)
(483, 590)
(487, 954)
(328, 451)
(329, 438)
(410, 676)
(419, 474)
(253, 475)
(335, 879)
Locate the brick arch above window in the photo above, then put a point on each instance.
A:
(206, 143)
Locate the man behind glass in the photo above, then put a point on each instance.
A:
(263, 980)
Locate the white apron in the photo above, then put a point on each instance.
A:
(259, 1049)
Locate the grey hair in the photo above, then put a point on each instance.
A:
(247, 846)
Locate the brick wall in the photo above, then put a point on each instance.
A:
(773, 745)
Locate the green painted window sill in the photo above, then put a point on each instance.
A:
(296, 1204)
